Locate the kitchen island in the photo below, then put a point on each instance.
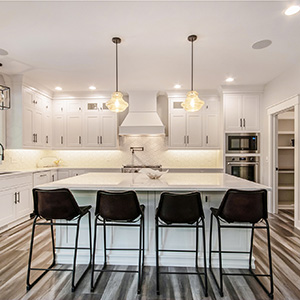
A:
(212, 187)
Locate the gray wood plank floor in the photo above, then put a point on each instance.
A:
(14, 245)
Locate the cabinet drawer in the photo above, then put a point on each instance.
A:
(15, 180)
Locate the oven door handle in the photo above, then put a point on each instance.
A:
(242, 164)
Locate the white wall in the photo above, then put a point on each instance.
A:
(279, 89)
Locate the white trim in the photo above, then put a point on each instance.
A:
(272, 111)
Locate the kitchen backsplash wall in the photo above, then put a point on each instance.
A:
(155, 152)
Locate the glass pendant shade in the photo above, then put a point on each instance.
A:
(192, 102)
(117, 103)
(4, 97)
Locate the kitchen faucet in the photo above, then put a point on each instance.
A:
(2, 154)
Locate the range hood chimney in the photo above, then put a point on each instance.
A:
(142, 118)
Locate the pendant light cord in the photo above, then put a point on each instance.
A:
(117, 87)
(192, 68)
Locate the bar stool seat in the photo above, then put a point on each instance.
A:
(246, 210)
(58, 204)
(180, 211)
(119, 209)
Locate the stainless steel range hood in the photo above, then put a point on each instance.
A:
(142, 118)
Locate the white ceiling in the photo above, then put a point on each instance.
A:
(68, 44)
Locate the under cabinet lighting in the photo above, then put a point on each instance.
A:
(92, 87)
(177, 86)
(58, 88)
(229, 79)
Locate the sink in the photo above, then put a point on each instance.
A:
(7, 173)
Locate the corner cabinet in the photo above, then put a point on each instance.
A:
(241, 112)
(194, 130)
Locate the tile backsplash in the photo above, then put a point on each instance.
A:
(155, 152)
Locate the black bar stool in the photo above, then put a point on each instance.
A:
(119, 209)
(242, 207)
(53, 205)
(181, 211)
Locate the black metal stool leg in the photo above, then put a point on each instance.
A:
(140, 258)
(204, 258)
(220, 259)
(210, 240)
(75, 255)
(271, 294)
(30, 285)
(251, 247)
(94, 253)
(157, 258)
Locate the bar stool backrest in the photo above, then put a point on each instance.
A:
(180, 208)
(55, 204)
(244, 206)
(118, 206)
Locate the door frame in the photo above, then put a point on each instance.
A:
(273, 111)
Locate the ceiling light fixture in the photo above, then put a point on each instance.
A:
(92, 87)
(292, 10)
(192, 102)
(58, 88)
(229, 79)
(261, 44)
(116, 103)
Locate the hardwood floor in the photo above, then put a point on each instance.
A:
(14, 245)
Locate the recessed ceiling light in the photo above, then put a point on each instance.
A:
(261, 44)
(292, 10)
(92, 87)
(177, 86)
(3, 52)
(58, 88)
(229, 79)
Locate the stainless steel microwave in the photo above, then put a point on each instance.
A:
(242, 143)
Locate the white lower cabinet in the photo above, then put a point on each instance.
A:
(15, 199)
(41, 178)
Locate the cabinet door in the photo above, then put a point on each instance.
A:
(233, 112)
(37, 128)
(24, 201)
(74, 130)
(59, 139)
(194, 129)
(251, 112)
(92, 130)
(177, 130)
(108, 137)
(28, 115)
(7, 206)
(47, 131)
(212, 131)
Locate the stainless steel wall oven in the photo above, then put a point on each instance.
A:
(246, 167)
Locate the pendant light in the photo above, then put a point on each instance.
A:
(4, 97)
(116, 103)
(192, 102)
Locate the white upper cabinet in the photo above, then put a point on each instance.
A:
(194, 129)
(241, 112)
(100, 126)
(37, 120)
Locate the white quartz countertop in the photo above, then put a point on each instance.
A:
(168, 182)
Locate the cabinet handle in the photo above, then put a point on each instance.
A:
(33, 138)
(46, 139)
(187, 139)
(241, 125)
(207, 139)
(184, 139)
(61, 140)
(244, 122)
(79, 139)
(61, 109)
(36, 137)
(18, 197)
(52, 177)
(206, 198)
(100, 139)
(16, 200)
(43, 175)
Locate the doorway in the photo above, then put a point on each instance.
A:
(284, 162)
